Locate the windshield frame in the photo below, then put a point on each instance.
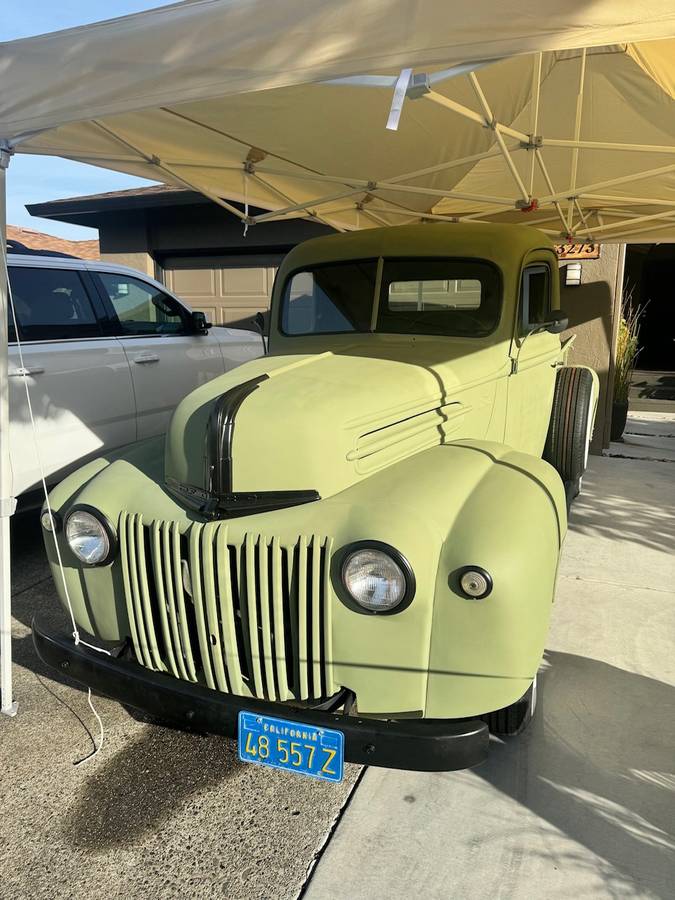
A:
(380, 262)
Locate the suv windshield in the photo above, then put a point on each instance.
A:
(416, 296)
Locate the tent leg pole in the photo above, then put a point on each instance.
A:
(7, 503)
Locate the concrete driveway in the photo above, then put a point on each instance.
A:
(582, 805)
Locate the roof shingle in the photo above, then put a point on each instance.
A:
(37, 240)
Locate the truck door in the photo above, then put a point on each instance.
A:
(79, 380)
(532, 381)
(167, 358)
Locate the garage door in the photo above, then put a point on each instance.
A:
(230, 290)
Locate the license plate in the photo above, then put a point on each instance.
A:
(281, 744)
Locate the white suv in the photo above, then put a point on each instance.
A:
(108, 353)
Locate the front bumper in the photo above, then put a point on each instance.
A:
(426, 745)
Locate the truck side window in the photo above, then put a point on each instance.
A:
(535, 296)
(51, 304)
(141, 308)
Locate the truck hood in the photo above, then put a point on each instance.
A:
(313, 423)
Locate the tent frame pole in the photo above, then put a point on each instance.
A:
(628, 222)
(162, 167)
(534, 122)
(637, 201)
(577, 135)
(607, 145)
(8, 706)
(547, 178)
(599, 185)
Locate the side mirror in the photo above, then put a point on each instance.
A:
(558, 321)
(200, 324)
(260, 323)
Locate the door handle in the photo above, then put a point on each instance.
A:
(146, 358)
(26, 370)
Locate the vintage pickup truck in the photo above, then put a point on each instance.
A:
(347, 549)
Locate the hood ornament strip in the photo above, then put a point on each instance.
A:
(240, 503)
(220, 434)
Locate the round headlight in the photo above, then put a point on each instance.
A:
(374, 579)
(87, 537)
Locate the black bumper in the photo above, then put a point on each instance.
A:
(425, 745)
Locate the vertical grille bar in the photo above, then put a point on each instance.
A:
(229, 636)
(265, 623)
(198, 602)
(330, 686)
(208, 536)
(317, 617)
(135, 592)
(127, 567)
(302, 618)
(167, 581)
(156, 552)
(149, 618)
(180, 601)
(279, 633)
(251, 606)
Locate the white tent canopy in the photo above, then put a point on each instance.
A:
(559, 115)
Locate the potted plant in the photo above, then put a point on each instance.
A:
(627, 352)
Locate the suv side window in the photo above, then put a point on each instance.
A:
(535, 296)
(140, 308)
(51, 305)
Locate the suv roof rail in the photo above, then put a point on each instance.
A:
(14, 246)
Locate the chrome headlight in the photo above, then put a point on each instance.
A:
(377, 577)
(89, 536)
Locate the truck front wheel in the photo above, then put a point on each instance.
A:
(513, 719)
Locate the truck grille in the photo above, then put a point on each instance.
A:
(249, 618)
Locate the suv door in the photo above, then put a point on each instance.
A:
(79, 380)
(167, 358)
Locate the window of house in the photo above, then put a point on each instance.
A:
(141, 308)
(51, 304)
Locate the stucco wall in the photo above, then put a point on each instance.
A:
(141, 261)
(594, 308)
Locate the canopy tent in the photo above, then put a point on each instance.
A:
(362, 113)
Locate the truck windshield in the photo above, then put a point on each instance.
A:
(416, 296)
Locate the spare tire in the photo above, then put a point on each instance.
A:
(571, 424)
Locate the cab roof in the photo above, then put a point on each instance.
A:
(505, 245)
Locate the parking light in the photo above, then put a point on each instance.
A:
(475, 582)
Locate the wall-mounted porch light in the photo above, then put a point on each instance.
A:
(573, 274)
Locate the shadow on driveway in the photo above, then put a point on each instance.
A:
(598, 765)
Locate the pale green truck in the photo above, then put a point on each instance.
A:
(356, 536)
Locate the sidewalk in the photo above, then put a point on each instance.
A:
(582, 804)
(648, 435)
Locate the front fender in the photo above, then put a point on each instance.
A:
(484, 653)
